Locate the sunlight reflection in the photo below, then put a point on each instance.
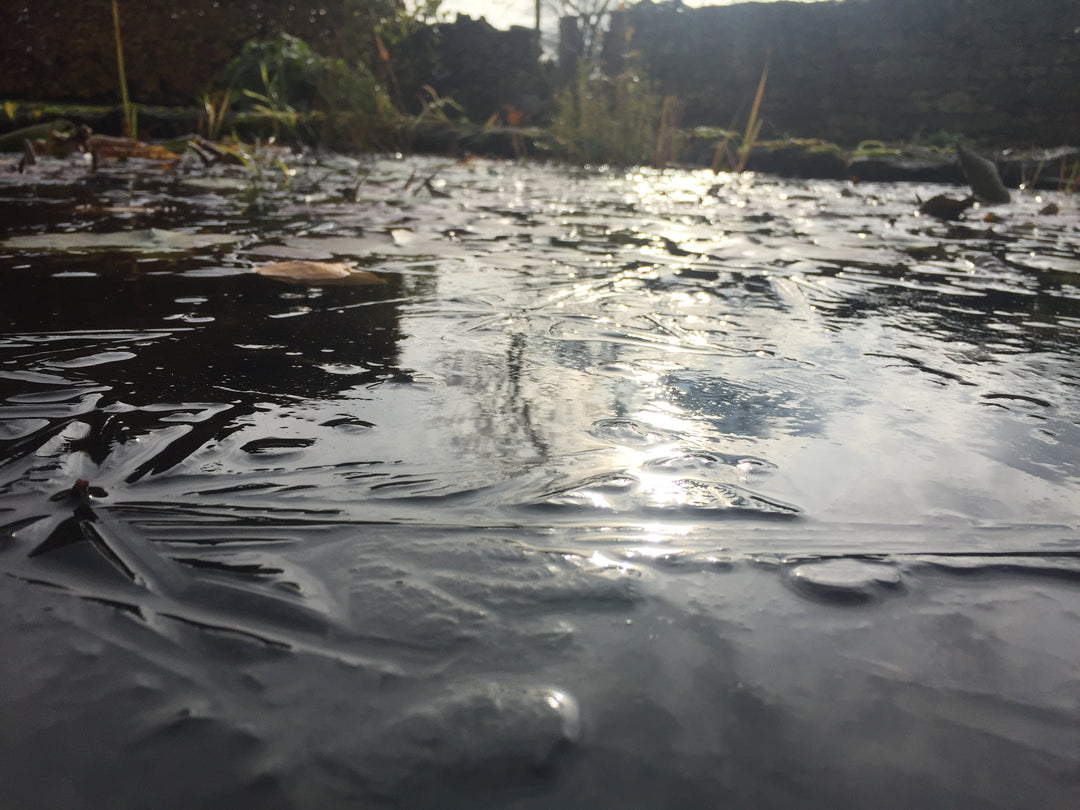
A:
(658, 533)
(556, 699)
(597, 499)
(602, 561)
(663, 490)
(666, 415)
(656, 552)
(672, 425)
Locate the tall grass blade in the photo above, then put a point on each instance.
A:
(753, 124)
(721, 154)
(665, 138)
(129, 111)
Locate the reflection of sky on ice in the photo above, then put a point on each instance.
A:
(615, 332)
(676, 346)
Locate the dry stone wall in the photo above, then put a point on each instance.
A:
(1006, 71)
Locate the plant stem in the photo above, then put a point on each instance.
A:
(753, 124)
(129, 113)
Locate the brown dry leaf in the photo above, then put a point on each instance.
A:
(104, 146)
(304, 272)
(943, 207)
(114, 209)
(153, 151)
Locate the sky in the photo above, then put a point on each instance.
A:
(500, 13)
(504, 13)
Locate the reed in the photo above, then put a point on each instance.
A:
(666, 137)
(129, 109)
(753, 123)
(215, 113)
(723, 155)
(1068, 178)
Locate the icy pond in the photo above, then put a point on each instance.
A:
(618, 490)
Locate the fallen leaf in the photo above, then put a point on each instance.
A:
(982, 176)
(105, 146)
(305, 272)
(943, 207)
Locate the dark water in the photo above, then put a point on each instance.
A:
(647, 490)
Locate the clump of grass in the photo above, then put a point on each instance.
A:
(281, 83)
(1068, 175)
(1068, 178)
(271, 104)
(873, 149)
(604, 119)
